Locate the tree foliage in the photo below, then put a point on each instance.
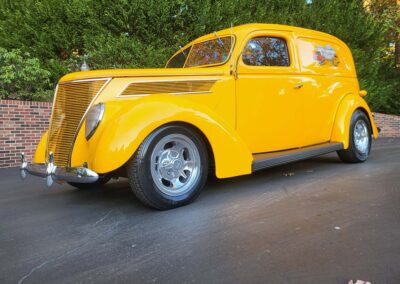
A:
(22, 77)
(145, 33)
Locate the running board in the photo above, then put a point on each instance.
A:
(272, 159)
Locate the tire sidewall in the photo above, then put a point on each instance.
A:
(145, 172)
(357, 116)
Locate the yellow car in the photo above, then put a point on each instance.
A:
(228, 104)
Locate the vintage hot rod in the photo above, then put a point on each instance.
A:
(227, 104)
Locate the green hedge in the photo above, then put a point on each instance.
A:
(145, 33)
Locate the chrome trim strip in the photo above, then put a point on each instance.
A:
(84, 115)
(181, 93)
(87, 80)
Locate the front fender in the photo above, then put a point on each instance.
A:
(40, 153)
(129, 126)
(341, 127)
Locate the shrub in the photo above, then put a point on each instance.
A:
(22, 77)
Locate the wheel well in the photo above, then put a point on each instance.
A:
(121, 171)
(366, 114)
(211, 159)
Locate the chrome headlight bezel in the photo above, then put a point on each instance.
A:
(93, 119)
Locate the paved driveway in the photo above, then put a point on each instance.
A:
(317, 221)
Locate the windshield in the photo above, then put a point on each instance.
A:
(210, 52)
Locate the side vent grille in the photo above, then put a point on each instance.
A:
(168, 87)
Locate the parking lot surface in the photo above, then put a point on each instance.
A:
(316, 221)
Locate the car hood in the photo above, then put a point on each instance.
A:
(159, 72)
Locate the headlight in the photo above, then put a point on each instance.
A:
(93, 118)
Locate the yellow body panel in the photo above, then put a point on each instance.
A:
(40, 153)
(242, 110)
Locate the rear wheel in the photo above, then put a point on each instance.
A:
(100, 182)
(170, 167)
(359, 140)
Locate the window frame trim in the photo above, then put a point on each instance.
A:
(213, 64)
(288, 36)
(191, 44)
(181, 50)
(271, 37)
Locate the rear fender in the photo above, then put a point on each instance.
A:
(341, 127)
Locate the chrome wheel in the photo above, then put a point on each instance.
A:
(175, 164)
(361, 137)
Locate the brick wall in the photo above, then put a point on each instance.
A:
(389, 124)
(22, 124)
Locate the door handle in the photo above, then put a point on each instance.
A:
(298, 86)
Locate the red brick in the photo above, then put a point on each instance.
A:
(24, 123)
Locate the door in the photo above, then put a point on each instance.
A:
(269, 92)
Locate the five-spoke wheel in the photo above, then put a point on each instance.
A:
(175, 163)
(170, 167)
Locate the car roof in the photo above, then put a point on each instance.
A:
(248, 28)
(245, 29)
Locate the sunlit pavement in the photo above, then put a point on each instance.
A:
(317, 221)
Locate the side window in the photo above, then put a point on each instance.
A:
(266, 51)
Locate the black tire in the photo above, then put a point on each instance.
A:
(142, 179)
(352, 154)
(100, 182)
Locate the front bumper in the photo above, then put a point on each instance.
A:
(52, 173)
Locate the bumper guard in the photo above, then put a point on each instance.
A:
(52, 173)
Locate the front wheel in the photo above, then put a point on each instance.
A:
(359, 141)
(170, 167)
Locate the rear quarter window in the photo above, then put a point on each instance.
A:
(324, 57)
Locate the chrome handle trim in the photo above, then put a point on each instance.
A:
(298, 86)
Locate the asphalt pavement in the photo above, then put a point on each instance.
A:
(316, 221)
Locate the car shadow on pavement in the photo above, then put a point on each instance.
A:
(216, 191)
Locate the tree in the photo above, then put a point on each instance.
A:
(145, 33)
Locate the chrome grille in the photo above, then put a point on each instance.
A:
(70, 105)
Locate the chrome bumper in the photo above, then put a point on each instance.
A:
(52, 173)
